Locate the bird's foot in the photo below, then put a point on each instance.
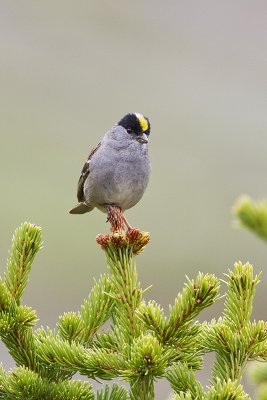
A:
(117, 220)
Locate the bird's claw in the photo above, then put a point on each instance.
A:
(116, 218)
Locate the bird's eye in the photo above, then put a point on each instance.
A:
(129, 130)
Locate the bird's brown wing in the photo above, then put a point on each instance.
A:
(84, 174)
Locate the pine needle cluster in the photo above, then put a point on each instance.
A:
(140, 344)
(252, 215)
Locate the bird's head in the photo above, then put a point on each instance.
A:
(136, 125)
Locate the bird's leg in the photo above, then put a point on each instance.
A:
(115, 217)
(126, 222)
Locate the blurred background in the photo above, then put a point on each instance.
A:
(68, 72)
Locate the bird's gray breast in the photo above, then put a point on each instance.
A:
(119, 174)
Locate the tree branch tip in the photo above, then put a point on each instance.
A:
(133, 238)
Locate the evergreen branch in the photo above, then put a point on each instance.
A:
(71, 327)
(226, 390)
(71, 390)
(114, 392)
(72, 357)
(141, 344)
(16, 317)
(234, 339)
(143, 389)
(97, 308)
(128, 292)
(186, 344)
(152, 315)
(23, 383)
(19, 341)
(183, 396)
(21, 346)
(5, 297)
(16, 322)
(232, 349)
(148, 360)
(106, 340)
(26, 243)
(26, 316)
(256, 334)
(196, 296)
(188, 347)
(252, 215)
(231, 354)
(241, 291)
(183, 380)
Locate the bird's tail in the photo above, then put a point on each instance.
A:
(81, 208)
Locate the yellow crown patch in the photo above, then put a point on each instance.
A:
(143, 122)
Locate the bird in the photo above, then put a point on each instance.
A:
(116, 173)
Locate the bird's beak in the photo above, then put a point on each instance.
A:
(143, 139)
